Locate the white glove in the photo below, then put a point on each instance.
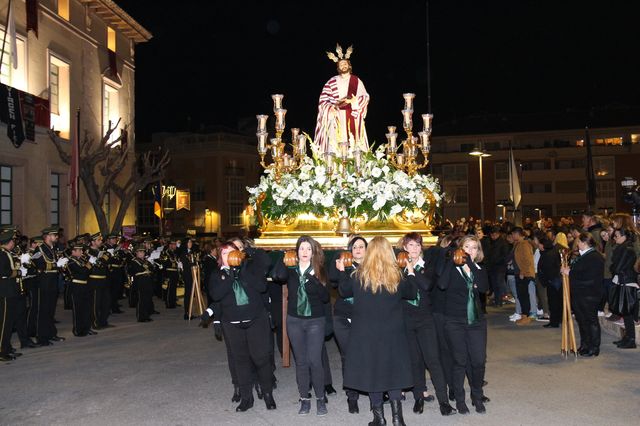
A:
(25, 258)
(62, 262)
(23, 271)
(93, 260)
(179, 265)
(111, 251)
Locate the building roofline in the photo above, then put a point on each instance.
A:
(114, 15)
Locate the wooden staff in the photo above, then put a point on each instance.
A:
(568, 334)
(195, 292)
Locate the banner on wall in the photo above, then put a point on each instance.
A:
(183, 199)
(21, 112)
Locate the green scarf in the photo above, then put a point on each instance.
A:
(238, 290)
(416, 301)
(472, 309)
(304, 307)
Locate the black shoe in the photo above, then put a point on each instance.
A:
(15, 354)
(245, 404)
(92, 332)
(485, 399)
(7, 357)
(329, 390)
(452, 396)
(29, 344)
(108, 326)
(418, 406)
(80, 334)
(629, 344)
(259, 391)
(57, 339)
(236, 395)
(117, 311)
(590, 352)
(269, 402)
(44, 342)
(551, 325)
(462, 408)
(446, 409)
(378, 416)
(396, 413)
(480, 408)
(155, 313)
(353, 406)
(617, 342)
(485, 383)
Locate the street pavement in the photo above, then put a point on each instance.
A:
(170, 372)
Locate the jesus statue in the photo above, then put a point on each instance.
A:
(342, 108)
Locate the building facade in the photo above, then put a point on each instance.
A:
(215, 166)
(551, 167)
(81, 60)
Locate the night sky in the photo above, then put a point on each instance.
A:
(216, 62)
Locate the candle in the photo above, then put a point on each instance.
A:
(424, 140)
(400, 160)
(274, 151)
(427, 118)
(280, 122)
(294, 134)
(344, 150)
(262, 142)
(408, 100)
(328, 158)
(302, 144)
(391, 129)
(357, 155)
(277, 102)
(406, 118)
(262, 122)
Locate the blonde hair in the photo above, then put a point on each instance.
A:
(466, 238)
(379, 268)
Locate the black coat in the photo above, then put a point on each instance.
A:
(588, 271)
(622, 261)
(549, 265)
(221, 292)
(456, 292)
(378, 352)
(317, 292)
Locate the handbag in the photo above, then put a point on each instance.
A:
(623, 299)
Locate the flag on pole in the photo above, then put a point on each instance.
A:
(74, 172)
(13, 41)
(591, 176)
(514, 181)
(157, 200)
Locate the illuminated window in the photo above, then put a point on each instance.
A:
(59, 95)
(609, 141)
(111, 39)
(635, 138)
(14, 77)
(110, 110)
(63, 9)
(580, 142)
(604, 166)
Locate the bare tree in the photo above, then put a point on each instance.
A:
(103, 162)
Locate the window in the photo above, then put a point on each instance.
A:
(536, 165)
(6, 175)
(635, 138)
(467, 147)
(604, 166)
(606, 189)
(110, 110)
(236, 195)
(111, 39)
(59, 95)
(536, 188)
(55, 199)
(577, 163)
(14, 77)
(63, 9)
(609, 141)
(454, 172)
(502, 170)
(571, 186)
(455, 194)
(492, 146)
(569, 209)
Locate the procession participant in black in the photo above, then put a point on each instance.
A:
(465, 327)
(209, 264)
(99, 283)
(116, 275)
(245, 322)
(142, 272)
(626, 278)
(79, 270)
(586, 273)
(46, 262)
(189, 258)
(304, 273)
(421, 330)
(549, 276)
(9, 294)
(343, 309)
(378, 358)
(27, 273)
(31, 283)
(170, 266)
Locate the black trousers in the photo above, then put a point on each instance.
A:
(81, 295)
(446, 360)
(101, 303)
(66, 295)
(116, 285)
(522, 288)
(47, 299)
(32, 310)
(249, 347)
(172, 286)
(468, 345)
(8, 314)
(584, 301)
(342, 330)
(424, 351)
(230, 360)
(21, 319)
(144, 308)
(554, 296)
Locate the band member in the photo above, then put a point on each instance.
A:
(141, 271)
(99, 283)
(46, 262)
(32, 282)
(465, 328)
(238, 290)
(305, 276)
(378, 358)
(9, 294)
(81, 294)
(189, 258)
(116, 272)
(343, 311)
(209, 264)
(421, 330)
(28, 272)
(169, 263)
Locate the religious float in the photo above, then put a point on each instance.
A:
(340, 186)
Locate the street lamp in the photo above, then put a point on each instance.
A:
(477, 152)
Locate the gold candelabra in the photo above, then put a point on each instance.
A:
(281, 161)
(407, 158)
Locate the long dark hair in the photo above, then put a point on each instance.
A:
(317, 257)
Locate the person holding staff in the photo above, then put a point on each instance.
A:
(378, 358)
(304, 273)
